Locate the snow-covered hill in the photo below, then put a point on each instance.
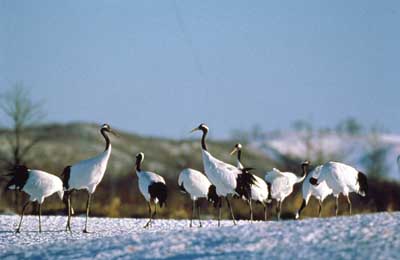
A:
(332, 146)
(374, 236)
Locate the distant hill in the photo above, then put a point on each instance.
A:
(64, 144)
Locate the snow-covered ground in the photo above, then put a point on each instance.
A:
(373, 236)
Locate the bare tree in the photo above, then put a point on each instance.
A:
(21, 114)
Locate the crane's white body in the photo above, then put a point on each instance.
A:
(259, 190)
(145, 180)
(41, 185)
(87, 174)
(340, 177)
(320, 192)
(221, 174)
(281, 183)
(195, 183)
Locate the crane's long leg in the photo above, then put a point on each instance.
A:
(219, 211)
(303, 205)
(69, 211)
(336, 205)
(22, 215)
(251, 210)
(230, 207)
(16, 200)
(198, 213)
(87, 212)
(278, 209)
(150, 216)
(320, 208)
(154, 214)
(193, 209)
(40, 215)
(349, 202)
(265, 212)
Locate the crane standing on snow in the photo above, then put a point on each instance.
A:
(37, 184)
(198, 186)
(152, 186)
(86, 175)
(259, 190)
(228, 179)
(342, 178)
(320, 192)
(281, 184)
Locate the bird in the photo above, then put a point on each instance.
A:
(152, 186)
(320, 192)
(342, 179)
(37, 184)
(281, 184)
(197, 186)
(86, 175)
(259, 190)
(238, 148)
(228, 179)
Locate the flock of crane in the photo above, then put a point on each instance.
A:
(220, 181)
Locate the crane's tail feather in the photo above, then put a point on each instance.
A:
(363, 184)
(19, 178)
(212, 195)
(158, 190)
(65, 177)
(244, 182)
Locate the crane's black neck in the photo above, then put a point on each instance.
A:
(203, 139)
(305, 169)
(138, 164)
(239, 155)
(104, 134)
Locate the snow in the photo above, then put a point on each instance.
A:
(372, 236)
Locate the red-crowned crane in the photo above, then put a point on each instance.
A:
(228, 179)
(152, 186)
(259, 190)
(342, 179)
(320, 192)
(281, 184)
(197, 186)
(86, 175)
(37, 184)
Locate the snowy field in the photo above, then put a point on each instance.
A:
(373, 236)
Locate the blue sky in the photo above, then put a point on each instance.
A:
(162, 67)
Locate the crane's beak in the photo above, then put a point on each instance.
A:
(114, 133)
(234, 151)
(194, 129)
